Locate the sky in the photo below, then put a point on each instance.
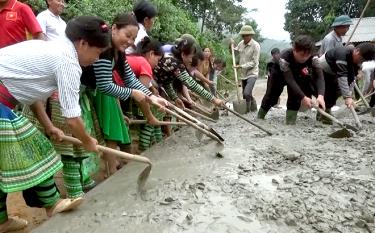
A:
(270, 17)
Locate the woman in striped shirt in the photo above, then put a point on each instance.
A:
(30, 72)
(147, 56)
(110, 67)
(172, 68)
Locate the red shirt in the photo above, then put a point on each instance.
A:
(16, 19)
(140, 66)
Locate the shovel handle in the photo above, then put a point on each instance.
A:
(249, 121)
(185, 114)
(197, 114)
(192, 124)
(357, 121)
(160, 123)
(368, 95)
(235, 72)
(202, 109)
(111, 151)
(361, 95)
(329, 116)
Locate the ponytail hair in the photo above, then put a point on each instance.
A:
(147, 44)
(184, 46)
(88, 28)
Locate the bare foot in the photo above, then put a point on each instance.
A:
(13, 224)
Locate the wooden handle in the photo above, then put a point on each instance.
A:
(249, 121)
(357, 122)
(361, 95)
(192, 124)
(235, 73)
(202, 109)
(185, 114)
(368, 95)
(111, 151)
(359, 20)
(197, 114)
(329, 116)
(160, 123)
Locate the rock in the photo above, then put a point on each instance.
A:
(290, 221)
(124, 214)
(274, 181)
(189, 217)
(361, 223)
(292, 155)
(244, 168)
(348, 216)
(200, 186)
(367, 216)
(169, 199)
(219, 155)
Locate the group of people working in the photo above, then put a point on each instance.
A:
(80, 78)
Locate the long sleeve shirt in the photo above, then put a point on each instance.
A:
(330, 41)
(339, 61)
(170, 69)
(100, 75)
(33, 70)
(292, 70)
(248, 58)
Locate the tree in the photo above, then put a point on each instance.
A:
(219, 16)
(314, 17)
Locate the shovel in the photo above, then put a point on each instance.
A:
(143, 176)
(342, 133)
(187, 121)
(247, 120)
(199, 123)
(240, 105)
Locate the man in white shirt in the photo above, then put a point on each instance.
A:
(52, 24)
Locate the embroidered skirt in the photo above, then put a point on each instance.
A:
(27, 157)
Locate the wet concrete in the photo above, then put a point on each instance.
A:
(298, 180)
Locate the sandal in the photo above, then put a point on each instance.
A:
(64, 205)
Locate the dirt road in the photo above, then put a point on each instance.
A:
(298, 180)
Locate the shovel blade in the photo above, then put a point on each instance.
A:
(342, 133)
(240, 106)
(216, 134)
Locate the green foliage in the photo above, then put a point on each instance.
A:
(175, 17)
(172, 22)
(217, 15)
(314, 17)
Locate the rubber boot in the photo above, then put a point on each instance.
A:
(253, 105)
(261, 113)
(248, 107)
(291, 117)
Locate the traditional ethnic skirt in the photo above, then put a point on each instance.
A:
(27, 157)
(91, 163)
(111, 119)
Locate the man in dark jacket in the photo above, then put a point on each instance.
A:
(340, 66)
(300, 71)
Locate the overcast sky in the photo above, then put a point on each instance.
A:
(270, 17)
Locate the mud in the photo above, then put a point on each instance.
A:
(298, 180)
